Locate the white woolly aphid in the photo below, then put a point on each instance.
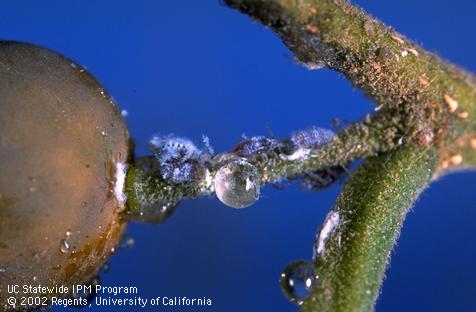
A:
(331, 224)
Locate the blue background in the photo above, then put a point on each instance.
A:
(196, 67)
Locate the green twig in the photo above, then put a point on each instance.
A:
(352, 252)
(378, 133)
(429, 96)
(425, 126)
(432, 102)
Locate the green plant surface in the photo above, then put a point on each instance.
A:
(424, 126)
(354, 245)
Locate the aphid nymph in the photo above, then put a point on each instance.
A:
(178, 158)
(255, 145)
(311, 137)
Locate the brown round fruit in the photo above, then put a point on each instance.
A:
(63, 150)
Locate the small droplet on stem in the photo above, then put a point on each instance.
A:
(154, 213)
(64, 246)
(299, 280)
(237, 184)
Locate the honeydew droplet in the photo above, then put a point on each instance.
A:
(64, 246)
(299, 280)
(237, 184)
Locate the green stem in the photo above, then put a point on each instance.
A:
(432, 102)
(378, 133)
(425, 126)
(354, 251)
(427, 94)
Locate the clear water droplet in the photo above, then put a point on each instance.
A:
(237, 184)
(299, 280)
(64, 246)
